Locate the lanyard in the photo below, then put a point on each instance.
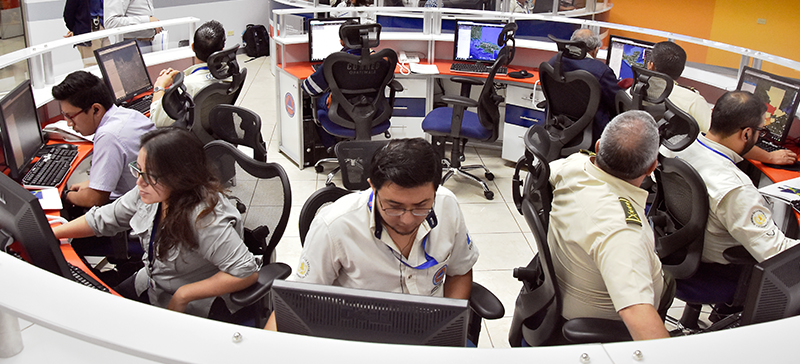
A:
(150, 256)
(714, 150)
(200, 69)
(429, 260)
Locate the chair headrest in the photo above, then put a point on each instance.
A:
(222, 64)
(359, 36)
(677, 130)
(651, 86)
(178, 104)
(574, 49)
(507, 41)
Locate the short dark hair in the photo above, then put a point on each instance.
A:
(669, 58)
(82, 90)
(628, 145)
(736, 110)
(407, 163)
(208, 38)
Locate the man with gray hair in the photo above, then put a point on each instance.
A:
(605, 75)
(602, 247)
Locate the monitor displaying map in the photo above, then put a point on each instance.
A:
(477, 41)
(624, 52)
(780, 94)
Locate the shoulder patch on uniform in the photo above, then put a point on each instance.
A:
(587, 152)
(631, 217)
(303, 268)
(759, 218)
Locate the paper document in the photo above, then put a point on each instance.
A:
(425, 69)
(48, 198)
(61, 131)
(788, 191)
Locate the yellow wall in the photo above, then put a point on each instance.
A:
(732, 22)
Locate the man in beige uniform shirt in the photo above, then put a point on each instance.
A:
(603, 248)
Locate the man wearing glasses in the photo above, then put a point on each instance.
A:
(87, 105)
(405, 234)
(738, 214)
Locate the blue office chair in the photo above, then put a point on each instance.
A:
(359, 107)
(457, 125)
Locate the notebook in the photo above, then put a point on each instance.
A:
(125, 74)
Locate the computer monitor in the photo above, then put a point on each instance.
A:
(362, 315)
(476, 41)
(774, 290)
(323, 36)
(624, 52)
(780, 94)
(22, 220)
(20, 129)
(123, 69)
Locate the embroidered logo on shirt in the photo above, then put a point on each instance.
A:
(631, 216)
(759, 218)
(302, 270)
(438, 277)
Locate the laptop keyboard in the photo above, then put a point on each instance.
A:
(51, 168)
(141, 105)
(475, 68)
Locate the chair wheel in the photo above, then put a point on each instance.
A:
(318, 168)
(489, 195)
(489, 176)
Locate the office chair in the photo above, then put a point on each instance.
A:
(649, 92)
(355, 162)
(269, 209)
(178, 104)
(238, 126)
(537, 314)
(484, 303)
(457, 125)
(222, 65)
(572, 99)
(359, 108)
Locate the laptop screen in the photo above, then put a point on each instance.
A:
(625, 52)
(124, 71)
(477, 41)
(21, 131)
(323, 37)
(781, 95)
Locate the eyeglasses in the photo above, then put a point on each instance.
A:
(148, 178)
(396, 212)
(762, 132)
(69, 117)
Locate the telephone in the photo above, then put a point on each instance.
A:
(404, 57)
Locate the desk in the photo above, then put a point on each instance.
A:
(780, 215)
(411, 106)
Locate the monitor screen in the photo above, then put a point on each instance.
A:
(774, 289)
(624, 52)
(781, 95)
(21, 131)
(323, 37)
(22, 220)
(477, 41)
(363, 315)
(123, 68)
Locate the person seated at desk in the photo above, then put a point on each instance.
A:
(88, 106)
(209, 38)
(603, 253)
(190, 232)
(669, 58)
(406, 234)
(605, 75)
(738, 214)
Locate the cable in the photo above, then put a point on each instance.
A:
(404, 70)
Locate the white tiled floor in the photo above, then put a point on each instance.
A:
(500, 232)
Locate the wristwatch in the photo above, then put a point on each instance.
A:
(158, 88)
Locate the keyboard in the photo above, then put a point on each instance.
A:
(51, 168)
(475, 68)
(141, 105)
(768, 145)
(78, 275)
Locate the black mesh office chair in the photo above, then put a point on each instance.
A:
(238, 126)
(178, 104)
(484, 304)
(457, 125)
(572, 99)
(355, 162)
(222, 65)
(265, 222)
(537, 314)
(648, 92)
(359, 108)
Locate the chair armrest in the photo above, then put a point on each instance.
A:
(267, 274)
(584, 330)
(459, 101)
(739, 255)
(485, 303)
(396, 86)
(467, 80)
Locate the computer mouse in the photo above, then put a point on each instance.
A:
(523, 73)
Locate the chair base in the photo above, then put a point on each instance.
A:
(462, 171)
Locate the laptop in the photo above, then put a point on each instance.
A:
(475, 46)
(125, 74)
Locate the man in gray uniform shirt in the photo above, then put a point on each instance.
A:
(119, 13)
